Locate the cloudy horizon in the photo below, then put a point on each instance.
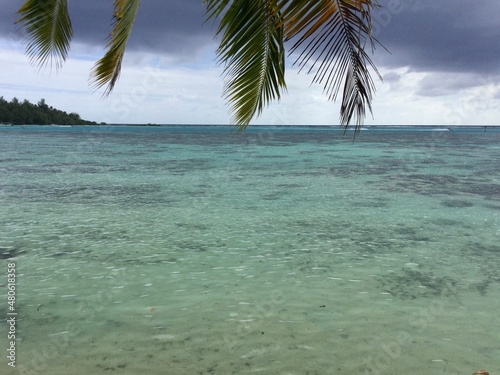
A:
(442, 67)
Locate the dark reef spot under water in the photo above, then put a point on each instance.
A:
(457, 203)
(10, 252)
(372, 203)
(482, 287)
(485, 190)
(44, 169)
(412, 284)
(433, 179)
(492, 206)
(129, 195)
(428, 185)
(488, 275)
(193, 226)
(445, 221)
(289, 186)
(481, 249)
(272, 196)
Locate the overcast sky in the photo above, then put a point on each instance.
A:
(443, 67)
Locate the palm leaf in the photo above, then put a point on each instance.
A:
(107, 69)
(48, 29)
(252, 50)
(333, 34)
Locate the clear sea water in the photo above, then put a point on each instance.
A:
(201, 250)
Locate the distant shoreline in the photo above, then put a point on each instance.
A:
(367, 127)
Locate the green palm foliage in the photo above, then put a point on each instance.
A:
(328, 38)
(107, 70)
(253, 53)
(48, 29)
(335, 34)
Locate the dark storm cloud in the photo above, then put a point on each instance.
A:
(423, 35)
(441, 36)
(448, 84)
(173, 27)
(170, 27)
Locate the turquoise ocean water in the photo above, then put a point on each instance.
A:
(200, 250)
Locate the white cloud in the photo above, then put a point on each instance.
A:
(153, 90)
(463, 99)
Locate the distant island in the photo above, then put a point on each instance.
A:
(16, 112)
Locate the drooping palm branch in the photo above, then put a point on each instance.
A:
(48, 29)
(331, 38)
(253, 53)
(107, 70)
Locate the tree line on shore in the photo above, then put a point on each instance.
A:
(16, 112)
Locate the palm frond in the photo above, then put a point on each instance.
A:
(107, 69)
(49, 31)
(331, 37)
(252, 50)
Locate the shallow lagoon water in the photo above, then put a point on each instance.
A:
(200, 250)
